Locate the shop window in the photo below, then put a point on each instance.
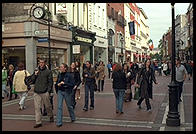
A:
(58, 56)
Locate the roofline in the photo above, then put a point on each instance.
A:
(142, 11)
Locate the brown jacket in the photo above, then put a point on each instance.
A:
(101, 71)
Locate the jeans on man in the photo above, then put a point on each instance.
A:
(119, 94)
(62, 95)
(89, 87)
(180, 88)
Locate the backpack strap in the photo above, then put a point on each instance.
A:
(25, 73)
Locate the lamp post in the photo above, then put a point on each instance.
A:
(49, 47)
(173, 117)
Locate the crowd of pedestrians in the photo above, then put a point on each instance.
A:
(125, 79)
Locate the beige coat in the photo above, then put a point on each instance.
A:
(101, 71)
(18, 82)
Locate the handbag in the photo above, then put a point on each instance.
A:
(13, 90)
(27, 81)
(136, 95)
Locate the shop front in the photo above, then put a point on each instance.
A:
(81, 49)
(100, 50)
(21, 43)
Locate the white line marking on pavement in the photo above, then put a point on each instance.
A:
(90, 121)
(16, 102)
(162, 129)
(165, 115)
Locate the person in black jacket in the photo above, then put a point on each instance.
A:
(43, 88)
(119, 87)
(64, 88)
(89, 81)
(144, 82)
(77, 80)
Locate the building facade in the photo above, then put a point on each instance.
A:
(82, 48)
(115, 11)
(97, 14)
(23, 38)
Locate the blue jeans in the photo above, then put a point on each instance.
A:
(67, 96)
(89, 87)
(119, 94)
(180, 88)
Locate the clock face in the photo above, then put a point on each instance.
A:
(38, 13)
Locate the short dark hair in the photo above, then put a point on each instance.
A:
(88, 61)
(43, 60)
(20, 66)
(65, 65)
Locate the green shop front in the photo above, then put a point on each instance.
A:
(81, 48)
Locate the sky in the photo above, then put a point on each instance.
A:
(159, 17)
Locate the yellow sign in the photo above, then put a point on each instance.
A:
(83, 39)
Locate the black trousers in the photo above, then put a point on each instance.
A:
(147, 102)
(73, 98)
(100, 85)
(109, 72)
(11, 85)
(180, 88)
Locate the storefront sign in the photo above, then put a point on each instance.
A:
(41, 32)
(76, 49)
(83, 39)
(61, 8)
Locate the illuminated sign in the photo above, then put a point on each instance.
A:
(83, 39)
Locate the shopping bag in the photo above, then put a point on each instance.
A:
(13, 90)
(136, 95)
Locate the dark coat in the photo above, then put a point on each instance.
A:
(145, 79)
(91, 75)
(119, 80)
(43, 81)
(77, 79)
(68, 79)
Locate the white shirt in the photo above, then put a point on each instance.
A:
(165, 66)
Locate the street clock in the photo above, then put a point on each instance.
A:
(39, 12)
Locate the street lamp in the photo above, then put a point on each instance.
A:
(173, 117)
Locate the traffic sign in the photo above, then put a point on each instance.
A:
(43, 40)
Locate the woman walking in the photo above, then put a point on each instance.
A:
(64, 87)
(19, 85)
(77, 80)
(119, 86)
(130, 76)
(11, 74)
(101, 76)
(144, 81)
